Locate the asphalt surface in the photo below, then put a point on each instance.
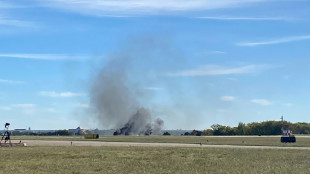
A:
(129, 144)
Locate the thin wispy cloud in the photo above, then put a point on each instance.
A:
(83, 105)
(275, 41)
(223, 110)
(24, 105)
(10, 81)
(232, 18)
(263, 102)
(228, 98)
(60, 94)
(211, 70)
(215, 52)
(52, 110)
(7, 19)
(4, 5)
(25, 108)
(16, 23)
(287, 104)
(232, 79)
(120, 7)
(13, 4)
(56, 57)
(5, 108)
(152, 88)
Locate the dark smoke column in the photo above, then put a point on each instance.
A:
(115, 104)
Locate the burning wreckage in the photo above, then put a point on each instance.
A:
(140, 124)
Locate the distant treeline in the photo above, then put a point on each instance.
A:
(255, 128)
(52, 133)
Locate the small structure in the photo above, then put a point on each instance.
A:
(91, 136)
(78, 131)
(20, 130)
(287, 135)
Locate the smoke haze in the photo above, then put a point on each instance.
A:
(132, 89)
(115, 99)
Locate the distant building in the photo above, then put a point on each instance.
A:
(78, 131)
(42, 131)
(20, 130)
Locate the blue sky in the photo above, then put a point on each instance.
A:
(196, 62)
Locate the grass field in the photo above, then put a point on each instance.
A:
(83, 159)
(151, 160)
(212, 140)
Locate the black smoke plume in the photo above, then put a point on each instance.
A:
(115, 99)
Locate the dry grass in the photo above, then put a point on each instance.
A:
(151, 160)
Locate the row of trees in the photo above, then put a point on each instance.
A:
(255, 128)
(53, 133)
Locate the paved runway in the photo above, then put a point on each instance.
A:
(129, 144)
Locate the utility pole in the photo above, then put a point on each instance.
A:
(282, 123)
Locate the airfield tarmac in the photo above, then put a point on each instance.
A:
(130, 144)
